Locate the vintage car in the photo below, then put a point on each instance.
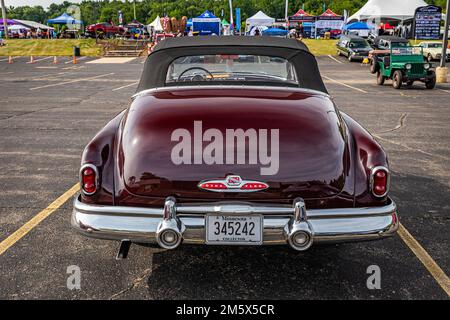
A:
(382, 47)
(215, 150)
(432, 51)
(405, 65)
(104, 29)
(353, 47)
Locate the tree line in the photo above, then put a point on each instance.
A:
(93, 11)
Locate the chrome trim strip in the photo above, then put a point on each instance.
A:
(234, 208)
(117, 210)
(234, 87)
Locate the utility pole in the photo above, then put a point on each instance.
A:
(5, 19)
(231, 14)
(442, 71)
(444, 49)
(286, 11)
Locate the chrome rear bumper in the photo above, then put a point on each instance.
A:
(187, 222)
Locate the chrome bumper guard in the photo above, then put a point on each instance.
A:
(185, 223)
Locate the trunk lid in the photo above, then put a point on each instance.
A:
(173, 140)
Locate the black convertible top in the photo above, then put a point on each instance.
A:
(168, 50)
(240, 41)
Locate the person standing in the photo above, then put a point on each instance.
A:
(300, 30)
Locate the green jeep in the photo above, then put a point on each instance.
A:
(405, 65)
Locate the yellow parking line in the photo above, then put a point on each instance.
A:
(72, 81)
(438, 274)
(344, 84)
(432, 267)
(126, 86)
(31, 224)
(333, 58)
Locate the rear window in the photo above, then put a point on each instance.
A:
(435, 45)
(230, 69)
(359, 44)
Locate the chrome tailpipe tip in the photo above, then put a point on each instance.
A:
(169, 235)
(298, 231)
(300, 236)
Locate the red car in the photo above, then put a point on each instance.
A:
(104, 29)
(233, 141)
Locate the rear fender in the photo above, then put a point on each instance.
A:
(368, 154)
(99, 152)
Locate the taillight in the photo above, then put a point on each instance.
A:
(254, 186)
(89, 179)
(213, 186)
(379, 181)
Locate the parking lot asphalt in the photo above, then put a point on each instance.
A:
(48, 113)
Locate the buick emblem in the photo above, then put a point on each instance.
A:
(233, 181)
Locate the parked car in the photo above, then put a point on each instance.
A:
(382, 47)
(353, 47)
(405, 65)
(432, 50)
(233, 153)
(388, 42)
(334, 33)
(104, 29)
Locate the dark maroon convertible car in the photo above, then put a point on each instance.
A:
(233, 141)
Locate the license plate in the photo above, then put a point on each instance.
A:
(237, 230)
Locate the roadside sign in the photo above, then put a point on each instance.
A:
(428, 23)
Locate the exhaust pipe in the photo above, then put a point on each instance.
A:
(169, 234)
(299, 233)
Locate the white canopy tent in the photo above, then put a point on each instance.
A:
(17, 27)
(387, 9)
(156, 25)
(33, 25)
(260, 19)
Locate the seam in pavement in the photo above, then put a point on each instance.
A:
(400, 125)
(136, 282)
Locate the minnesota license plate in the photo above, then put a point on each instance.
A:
(234, 230)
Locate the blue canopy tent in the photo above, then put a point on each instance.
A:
(275, 32)
(357, 26)
(189, 23)
(206, 24)
(308, 29)
(65, 19)
(361, 29)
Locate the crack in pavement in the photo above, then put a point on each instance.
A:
(136, 282)
(412, 149)
(28, 112)
(400, 125)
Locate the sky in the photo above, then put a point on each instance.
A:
(44, 3)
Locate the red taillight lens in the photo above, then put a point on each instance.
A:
(380, 182)
(89, 180)
(254, 186)
(213, 186)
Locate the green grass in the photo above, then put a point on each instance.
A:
(64, 47)
(321, 47)
(50, 47)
